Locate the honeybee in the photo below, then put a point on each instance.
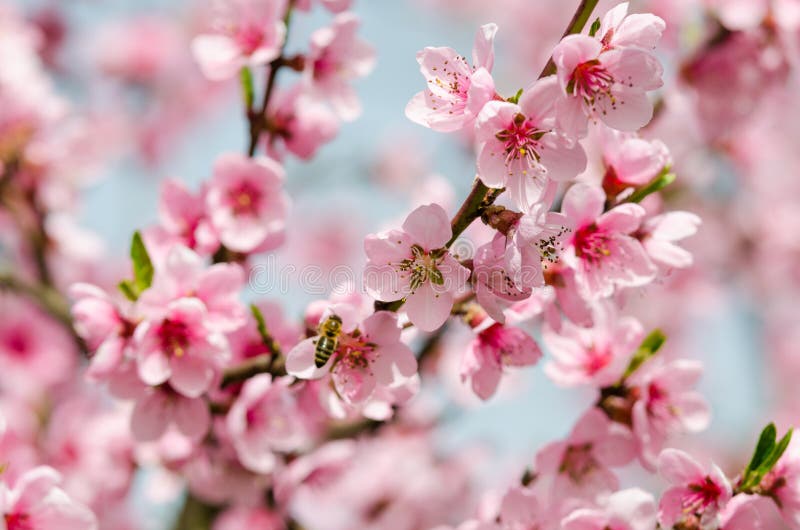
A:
(328, 341)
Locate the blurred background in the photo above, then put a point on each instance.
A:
(728, 112)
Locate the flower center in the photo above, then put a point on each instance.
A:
(355, 351)
(592, 243)
(174, 336)
(18, 344)
(578, 461)
(704, 493)
(249, 38)
(598, 358)
(589, 79)
(245, 199)
(423, 266)
(520, 141)
(18, 521)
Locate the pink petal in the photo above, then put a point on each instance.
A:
(300, 361)
(632, 110)
(150, 417)
(191, 375)
(572, 51)
(191, 416)
(679, 468)
(428, 226)
(218, 56)
(427, 309)
(583, 204)
(483, 49)
(624, 218)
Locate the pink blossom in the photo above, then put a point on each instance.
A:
(246, 202)
(630, 161)
(602, 252)
(179, 347)
(666, 405)
(182, 220)
(265, 418)
(184, 273)
(518, 148)
(581, 463)
(567, 295)
(159, 408)
(607, 77)
(522, 509)
(104, 325)
(596, 356)
(492, 349)
(334, 6)
(36, 502)
(696, 496)
(248, 518)
(369, 355)
(660, 234)
(537, 237)
(455, 92)
(413, 264)
(246, 33)
(493, 285)
(300, 122)
(335, 58)
(631, 509)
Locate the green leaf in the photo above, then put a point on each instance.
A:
(248, 90)
(515, 97)
(649, 347)
(128, 289)
(261, 325)
(766, 443)
(142, 266)
(775, 455)
(595, 27)
(664, 179)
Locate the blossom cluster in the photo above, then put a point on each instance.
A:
(165, 369)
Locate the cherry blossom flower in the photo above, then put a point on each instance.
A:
(335, 58)
(667, 404)
(659, 235)
(105, 324)
(246, 202)
(300, 122)
(265, 418)
(493, 285)
(581, 463)
(178, 347)
(602, 252)
(493, 348)
(607, 77)
(518, 148)
(182, 220)
(246, 33)
(455, 92)
(184, 273)
(630, 161)
(158, 408)
(597, 356)
(696, 496)
(414, 264)
(631, 509)
(369, 355)
(537, 237)
(36, 501)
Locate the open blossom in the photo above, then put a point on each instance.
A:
(246, 202)
(182, 220)
(105, 325)
(607, 77)
(602, 251)
(335, 58)
(300, 122)
(598, 355)
(413, 264)
(581, 463)
(518, 148)
(246, 33)
(369, 355)
(631, 509)
(184, 274)
(36, 502)
(455, 92)
(667, 404)
(630, 161)
(159, 408)
(696, 496)
(660, 234)
(537, 237)
(178, 347)
(494, 348)
(265, 418)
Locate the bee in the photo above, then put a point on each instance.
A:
(328, 340)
